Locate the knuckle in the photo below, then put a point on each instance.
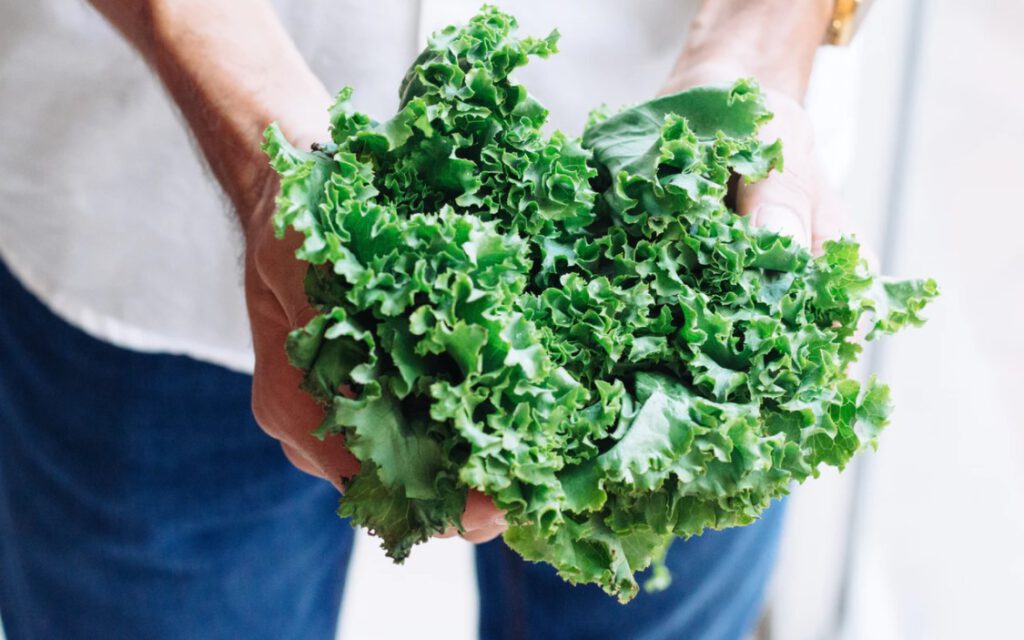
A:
(302, 316)
(260, 406)
(259, 413)
(298, 460)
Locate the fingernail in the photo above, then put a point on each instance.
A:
(499, 521)
(783, 221)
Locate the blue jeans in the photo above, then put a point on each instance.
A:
(139, 500)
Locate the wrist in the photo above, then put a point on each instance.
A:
(230, 83)
(773, 41)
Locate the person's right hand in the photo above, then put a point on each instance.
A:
(277, 304)
(229, 84)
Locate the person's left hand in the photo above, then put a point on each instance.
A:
(795, 201)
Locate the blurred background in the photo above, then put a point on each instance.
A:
(923, 539)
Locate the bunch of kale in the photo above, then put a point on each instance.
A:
(582, 330)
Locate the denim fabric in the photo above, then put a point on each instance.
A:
(718, 582)
(139, 500)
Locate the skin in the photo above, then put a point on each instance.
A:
(229, 83)
(728, 40)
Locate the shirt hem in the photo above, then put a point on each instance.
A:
(118, 332)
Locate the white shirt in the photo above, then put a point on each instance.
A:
(106, 212)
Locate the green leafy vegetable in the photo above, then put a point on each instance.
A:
(581, 329)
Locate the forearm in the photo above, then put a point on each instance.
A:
(231, 69)
(771, 40)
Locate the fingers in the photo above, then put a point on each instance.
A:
(284, 275)
(480, 536)
(277, 303)
(481, 513)
(290, 415)
(299, 460)
(783, 218)
(785, 202)
(482, 521)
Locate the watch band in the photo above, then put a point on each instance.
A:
(846, 19)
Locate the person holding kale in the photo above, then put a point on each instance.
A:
(145, 502)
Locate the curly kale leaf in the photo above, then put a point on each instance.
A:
(580, 328)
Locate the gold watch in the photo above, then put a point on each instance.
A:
(846, 19)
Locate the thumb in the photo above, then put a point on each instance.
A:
(786, 200)
(482, 520)
(784, 203)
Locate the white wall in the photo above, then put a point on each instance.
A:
(940, 555)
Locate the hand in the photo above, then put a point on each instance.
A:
(773, 42)
(229, 86)
(277, 304)
(796, 201)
